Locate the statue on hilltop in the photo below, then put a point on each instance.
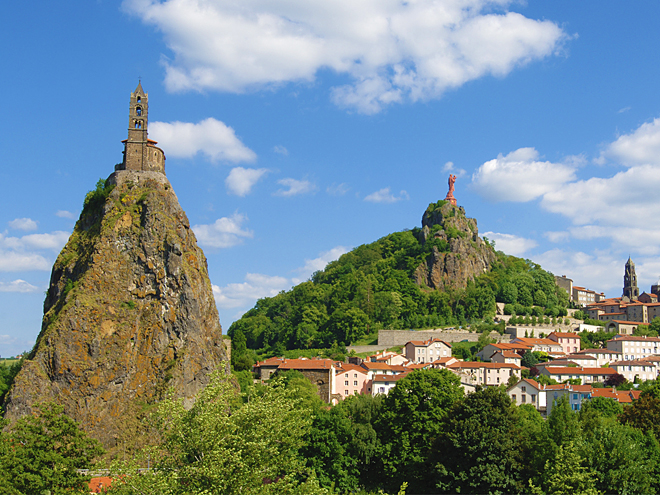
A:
(450, 195)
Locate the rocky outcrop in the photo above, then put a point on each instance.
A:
(457, 253)
(129, 314)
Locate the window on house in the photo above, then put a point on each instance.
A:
(346, 383)
(523, 388)
(513, 397)
(355, 383)
(533, 396)
(345, 392)
(523, 398)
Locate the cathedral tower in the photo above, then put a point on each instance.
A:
(630, 289)
(140, 152)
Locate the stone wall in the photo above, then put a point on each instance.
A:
(390, 338)
(322, 379)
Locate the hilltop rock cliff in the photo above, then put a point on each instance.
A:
(458, 253)
(129, 313)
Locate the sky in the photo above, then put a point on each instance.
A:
(296, 130)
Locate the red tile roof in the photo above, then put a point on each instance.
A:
(306, 364)
(100, 484)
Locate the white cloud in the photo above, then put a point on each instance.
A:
(66, 214)
(225, 232)
(12, 261)
(557, 237)
(510, 244)
(255, 287)
(385, 196)
(319, 263)
(600, 271)
(240, 180)
(294, 187)
(281, 150)
(17, 286)
(18, 253)
(210, 137)
(390, 51)
(641, 147)
(338, 189)
(450, 167)
(25, 224)
(520, 177)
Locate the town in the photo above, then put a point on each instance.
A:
(567, 370)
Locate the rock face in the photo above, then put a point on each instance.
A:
(458, 253)
(129, 313)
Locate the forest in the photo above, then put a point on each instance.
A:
(425, 436)
(372, 287)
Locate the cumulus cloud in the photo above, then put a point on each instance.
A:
(390, 51)
(17, 286)
(319, 263)
(21, 253)
(256, 286)
(294, 187)
(385, 196)
(519, 177)
(12, 261)
(241, 180)
(451, 168)
(641, 147)
(212, 138)
(600, 270)
(511, 244)
(65, 214)
(25, 224)
(225, 232)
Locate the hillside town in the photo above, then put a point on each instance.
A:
(567, 371)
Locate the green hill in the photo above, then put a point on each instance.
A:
(440, 274)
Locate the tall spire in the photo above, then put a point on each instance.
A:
(630, 289)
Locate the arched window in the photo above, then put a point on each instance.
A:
(138, 110)
(138, 124)
(139, 99)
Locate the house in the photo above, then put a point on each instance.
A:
(636, 369)
(648, 298)
(321, 372)
(623, 327)
(585, 375)
(486, 373)
(444, 362)
(427, 351)
(603, 356)
(351, 380)
(506, 357)
(539, 345)
(382, 384)
(491, 349)
(569, 341)
(632, 347)
(574, 393)
(379, 368)
(527, 391)
(585, 360)
(387, 357)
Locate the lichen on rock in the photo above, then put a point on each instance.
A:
(129, 314)
(458, 254)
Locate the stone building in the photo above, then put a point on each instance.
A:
(140, 152)
(630, 289)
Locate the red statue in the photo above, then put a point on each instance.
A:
(450, 195)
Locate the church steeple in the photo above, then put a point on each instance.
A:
(140, 153)
(630, 289)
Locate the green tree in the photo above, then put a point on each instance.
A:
(43, 451)
(563, 423)
(223, 446)
(478, 448)
(566, 475)
(240, 359)
(409, 422)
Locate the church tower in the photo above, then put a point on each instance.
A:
(630, 289)
(140, 152)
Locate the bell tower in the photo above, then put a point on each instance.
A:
(630, 289)
(140, 152)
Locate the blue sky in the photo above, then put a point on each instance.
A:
(296, 130)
